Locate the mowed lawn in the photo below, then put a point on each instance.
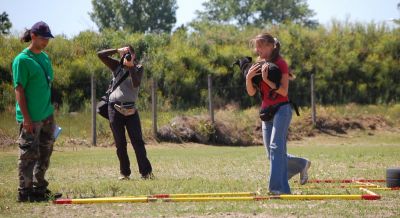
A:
(81, 172)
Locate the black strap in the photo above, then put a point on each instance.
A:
(119, 81)
(295, 107)
(46, 75)
(292, 104)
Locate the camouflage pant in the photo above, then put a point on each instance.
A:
(34, 156)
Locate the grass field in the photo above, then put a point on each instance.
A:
(191, 168)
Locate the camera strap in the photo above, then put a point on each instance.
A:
(119, 79)
(46, 75)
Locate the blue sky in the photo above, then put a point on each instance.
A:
(69, 17)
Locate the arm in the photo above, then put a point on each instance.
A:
(251, 90)
(104, 56)
(136, 75)
(283, 88)
(20, 97)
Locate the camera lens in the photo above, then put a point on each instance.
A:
(128, 56)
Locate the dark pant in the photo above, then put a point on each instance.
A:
(118, 123)
(35, 150)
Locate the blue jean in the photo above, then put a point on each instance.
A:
(283, 166)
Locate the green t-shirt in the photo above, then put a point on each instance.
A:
(28, 73)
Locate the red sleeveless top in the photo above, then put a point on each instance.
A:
(264, 88)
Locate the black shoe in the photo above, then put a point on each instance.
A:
(46, 196)
(24, 197)
(53, 195)
(148, 176)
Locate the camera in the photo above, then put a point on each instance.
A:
(127, 56)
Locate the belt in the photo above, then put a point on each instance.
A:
(127, 103)
(294, 106)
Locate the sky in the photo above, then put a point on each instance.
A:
(69, 17)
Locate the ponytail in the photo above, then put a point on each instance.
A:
(277, 50)
(26, 37)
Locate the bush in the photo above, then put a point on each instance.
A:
(352, 62)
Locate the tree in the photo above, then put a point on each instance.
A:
(5, 24)
(257, 12)
(134, 15)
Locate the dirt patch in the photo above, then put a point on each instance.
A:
(200, 129)
(336, 125)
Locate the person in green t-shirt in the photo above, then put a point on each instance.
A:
(32, 77)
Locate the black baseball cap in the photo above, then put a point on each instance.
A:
(42, 29)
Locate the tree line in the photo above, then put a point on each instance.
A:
(352, 62)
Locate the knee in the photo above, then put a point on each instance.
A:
(138, 142)
(273, 146)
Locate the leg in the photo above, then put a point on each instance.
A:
(28, 155)
(266, 133)
(135, 134)
(117, 124)
(279, 165)
(295, 165)
(46, 141)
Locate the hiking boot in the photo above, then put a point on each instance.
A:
(123, 177)
(304, 173)
(148, 176)
(24, 197)
(45, 196)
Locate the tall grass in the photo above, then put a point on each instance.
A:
(77, 125)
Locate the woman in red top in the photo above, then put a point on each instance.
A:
(283, 166)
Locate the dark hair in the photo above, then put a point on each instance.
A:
(26, 37)
(130, 48)
(268, 38)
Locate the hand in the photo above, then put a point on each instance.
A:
(123, 51)
(264, 71)
(27, 125)
(254, 69)
(129, 63)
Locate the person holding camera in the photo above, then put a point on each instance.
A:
(283, 166)
(32, 77)
(122, 112)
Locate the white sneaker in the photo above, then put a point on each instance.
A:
(304, 173)
(123, 177)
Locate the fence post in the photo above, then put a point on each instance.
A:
(93, 96)
(210, 102)
(313, 110)
(154, 106)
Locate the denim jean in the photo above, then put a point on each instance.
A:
(274, 137)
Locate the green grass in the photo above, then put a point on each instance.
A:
(190, 168)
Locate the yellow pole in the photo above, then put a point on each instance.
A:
(201, 199)
(184, 195)
(104, 200)
(320, 197)
(384, 188)
(226, 194)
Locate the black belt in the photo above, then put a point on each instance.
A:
(127, 103)
(294, 106)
